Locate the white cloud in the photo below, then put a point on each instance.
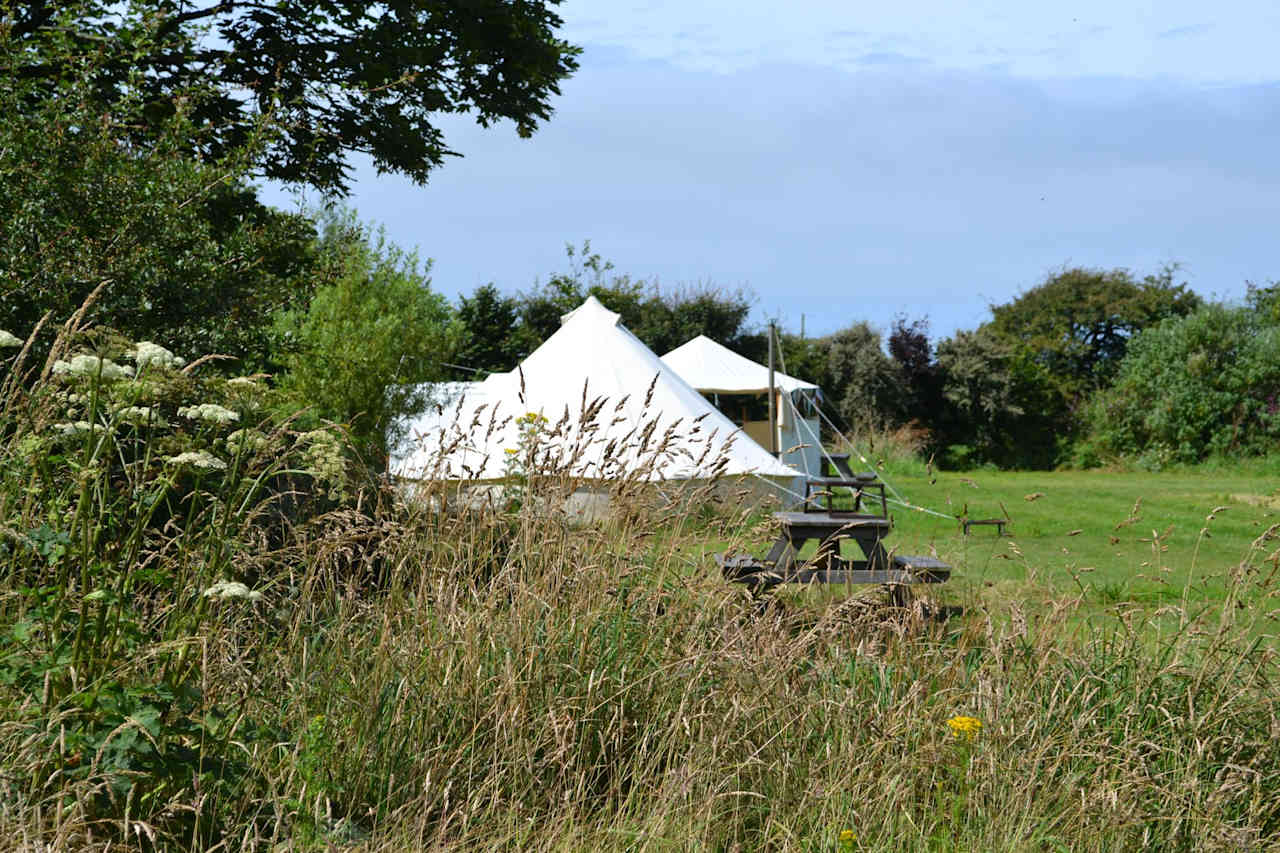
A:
(1232, 42)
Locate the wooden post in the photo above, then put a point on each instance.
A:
(773, 399)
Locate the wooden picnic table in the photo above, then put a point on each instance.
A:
(831, 529)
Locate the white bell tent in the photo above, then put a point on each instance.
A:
(612, 408)
(715, 369)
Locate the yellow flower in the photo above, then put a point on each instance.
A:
(847, 837)
(970, 727)
(510, 451)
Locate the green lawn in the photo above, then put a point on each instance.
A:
(1111, 538)
(1122, 535)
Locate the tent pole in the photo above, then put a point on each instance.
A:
(773, 412)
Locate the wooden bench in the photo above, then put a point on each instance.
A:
(998, 523)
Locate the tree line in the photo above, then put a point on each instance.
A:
(1086, 368)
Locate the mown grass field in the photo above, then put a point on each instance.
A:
(1116, 537)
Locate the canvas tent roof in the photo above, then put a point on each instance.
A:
(611, 405)
(716, 369)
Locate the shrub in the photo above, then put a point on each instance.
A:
(361, 352)
(1194, 387)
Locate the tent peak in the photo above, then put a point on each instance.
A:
(711, 367)
(592, 309)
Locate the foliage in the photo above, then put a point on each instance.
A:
(1078, 322)
(185, 252)
(337, 78)
(669, 318)
(361, 351)
(1204, 385)
(662, 319)
(138, 504)
(1000, 408)
(491, 340)
(859, 378)
(1265, 301)
(921, 377)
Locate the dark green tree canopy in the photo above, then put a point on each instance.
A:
(337, 77)
(999, 405)
(493, 341)
(1078, 323)
(501, 330)
(185, 253)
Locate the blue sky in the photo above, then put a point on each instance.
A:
(851, 161)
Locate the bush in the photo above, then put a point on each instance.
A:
(361, 352)
(863, 382)
(1194, 387)
(1000, 406)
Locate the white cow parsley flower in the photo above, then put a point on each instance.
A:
(232, 589)
(250, 439)
(140, 416)
(73, 428)
(211, 412)
(199, 459)
(145, 353)
(323, 458)
(92, 365)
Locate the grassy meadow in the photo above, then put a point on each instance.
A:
(210, 641)
(1128, 539)
(1132, 537)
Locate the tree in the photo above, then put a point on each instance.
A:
(663, 320)
(492, 341)
(909, 347)
(185, 253)
(1264, 300)
(999, 406)
(542, 307)
(1078, 322)
(862, 381)
(361, 351)
(337, 78)
(1192, 387)
(670, 318)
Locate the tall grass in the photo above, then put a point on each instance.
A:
(449, 674)
(888, 450)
